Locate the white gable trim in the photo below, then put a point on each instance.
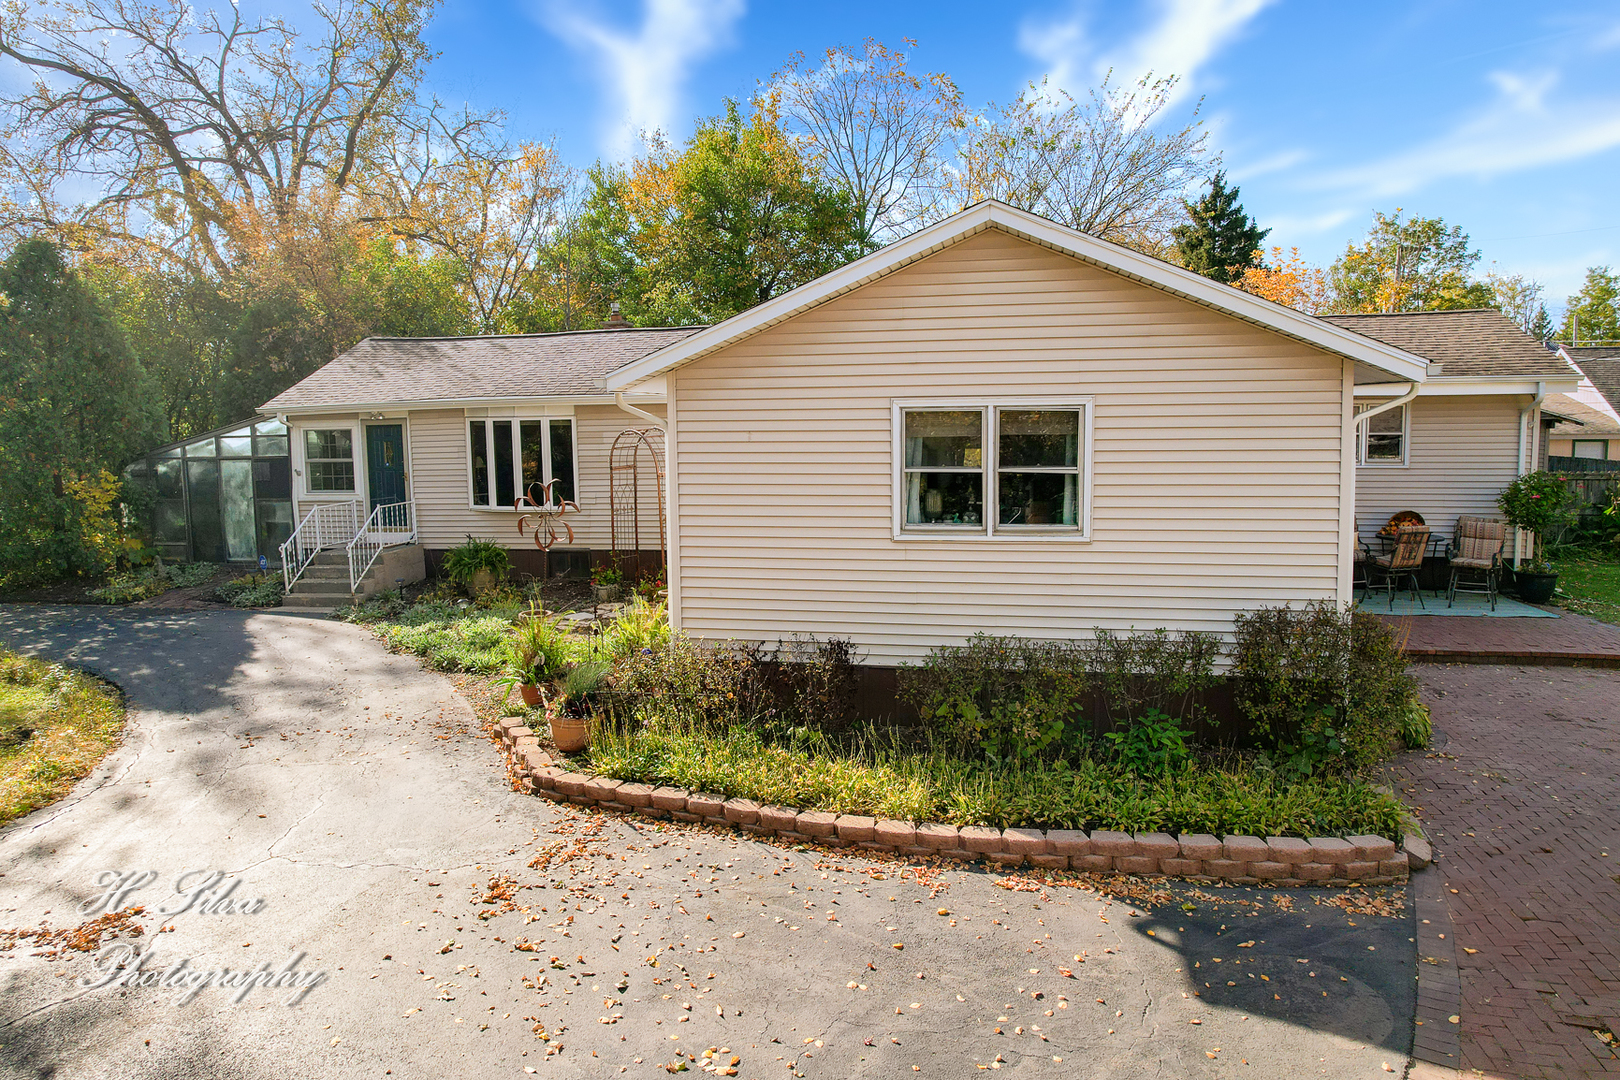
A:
(990, 214)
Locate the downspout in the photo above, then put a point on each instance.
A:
(1527, 433)
(618, 399)
(1388, 405)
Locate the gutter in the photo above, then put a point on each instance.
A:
(618, 399)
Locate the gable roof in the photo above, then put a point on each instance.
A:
(397, 371)
(991, 214)
(1578, 418)
(1472, 342)
(1602, 366)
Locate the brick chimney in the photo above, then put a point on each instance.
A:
(615, 319)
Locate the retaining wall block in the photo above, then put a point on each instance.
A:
(1024, 841)
(528, 742)
(1005, 858)
(1372, 848)
(818, 824)
(570, 783)
(742, 811)
(520, 732)
(601, 789)
(1245, 849)
(1419, 853)
(776, 818)
(1113, 844)
(705, 805)
(855, 828)
(1330, 849)
(670, 798)
(938, 837)
(1287, 849)
(1136, 864)
(1201, 846)
(1315, 871)
(1069, 842)
(1157, 846)
(894, 834)
(1223, 868)
(981, 839)
(547, 777)
(635, 795)
(1269, 870)
(1095, 864)
(1397, 867)
(1181, 867)
(1049, 862)
(1360, 869)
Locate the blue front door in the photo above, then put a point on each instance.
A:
(385, 463)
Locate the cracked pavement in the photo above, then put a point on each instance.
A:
(465, 929)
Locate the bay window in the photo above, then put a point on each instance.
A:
(513, 456)
(992, 469)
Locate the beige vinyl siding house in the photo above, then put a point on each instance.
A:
(1215, 470)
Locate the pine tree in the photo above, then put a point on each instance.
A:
(1541, 328)
(1222, 241)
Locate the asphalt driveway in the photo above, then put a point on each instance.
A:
(465, 930)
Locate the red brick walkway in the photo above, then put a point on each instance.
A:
(1570, 639)
(1521, 797)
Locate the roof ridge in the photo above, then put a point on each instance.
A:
(1430, 311)
(538, 334)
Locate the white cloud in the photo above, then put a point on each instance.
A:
(1284, 227)
(1522, 128)
(645, 69)
(1278, 162)
(1182, 38)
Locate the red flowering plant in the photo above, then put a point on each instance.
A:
(1537, 502)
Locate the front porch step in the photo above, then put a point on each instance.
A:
(324, 584)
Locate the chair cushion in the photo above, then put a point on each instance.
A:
(1472, 564)
(1475, 548)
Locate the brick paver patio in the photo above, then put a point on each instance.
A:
(1521, 796)
(1570, 639)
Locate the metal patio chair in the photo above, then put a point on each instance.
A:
(1400, 566)
(1476, 550)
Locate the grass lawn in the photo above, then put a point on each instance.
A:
(55, 725)
(1590, 585)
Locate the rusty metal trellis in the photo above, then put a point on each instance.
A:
(635, 464)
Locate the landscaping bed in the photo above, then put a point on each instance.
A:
(55, 726)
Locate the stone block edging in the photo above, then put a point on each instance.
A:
(1276, 861)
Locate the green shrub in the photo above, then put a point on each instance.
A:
(639, 626)
(1324, 690)
(691, 682)
(252, 591)
(821, 679)
(465, 561)
(540, 647)
(1155, 743)
(1416, 726)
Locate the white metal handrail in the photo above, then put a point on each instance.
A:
(326, 525)
(389, 524)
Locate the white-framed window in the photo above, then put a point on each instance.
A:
(329, 460)
(508, 456)
(1382, 439)
(998, 468)
(1594, 449)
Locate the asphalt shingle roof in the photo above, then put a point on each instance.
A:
(1589, 421)
(384, 370)
(1469, 342)
(1602, 366)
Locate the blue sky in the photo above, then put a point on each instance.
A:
(1502, 118)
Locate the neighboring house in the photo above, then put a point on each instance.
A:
(1593, 430)
(1473, 426)
(997, 424)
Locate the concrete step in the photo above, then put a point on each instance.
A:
(317, 587)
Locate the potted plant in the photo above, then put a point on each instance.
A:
(539, 655)
(606, 582)
(1536, 503)
(476, 565)
(572, 716)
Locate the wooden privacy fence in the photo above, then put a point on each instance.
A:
(1591, 489)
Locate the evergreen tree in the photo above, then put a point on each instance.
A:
(1222, 241)
(1541, 327)
(75, 407)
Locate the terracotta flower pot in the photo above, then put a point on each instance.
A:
(570, 733)
(531, 694)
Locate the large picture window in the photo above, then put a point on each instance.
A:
(992, 469)
(329, 459)
(511, 456)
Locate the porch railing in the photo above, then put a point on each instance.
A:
(326, 525)
(389, 524)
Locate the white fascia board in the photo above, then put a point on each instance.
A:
(469, 403)
(985, 215)
(1464, 386)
